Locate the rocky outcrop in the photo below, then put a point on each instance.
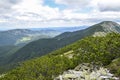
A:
(2, 75)
(87, 71)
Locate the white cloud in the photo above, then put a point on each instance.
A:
(109, 5)
(2, 21)
(29, 13)
(106, 5)
(74, 3)
(35, 11)
(7, 3)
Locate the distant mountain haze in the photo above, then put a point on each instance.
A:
(23, 36)
(62, 29)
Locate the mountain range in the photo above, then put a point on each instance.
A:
(37, 47)
(44, 46)
(95, 52)
(61, 29)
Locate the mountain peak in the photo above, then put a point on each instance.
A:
(109, 23)
(102, 28)
(110, 26)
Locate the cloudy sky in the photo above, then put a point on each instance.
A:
(56, 13)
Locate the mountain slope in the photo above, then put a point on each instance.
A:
(23, 36)
(96, 50)
(5, 52)
(105, 27)
(44, 46)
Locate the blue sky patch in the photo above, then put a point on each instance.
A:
(51, 3)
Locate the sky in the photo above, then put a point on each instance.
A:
(56, 13)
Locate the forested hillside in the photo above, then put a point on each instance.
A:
(99, 50)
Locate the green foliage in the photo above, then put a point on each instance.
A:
(5, 54)
(101, 50)
(115, 66)
(44, 67)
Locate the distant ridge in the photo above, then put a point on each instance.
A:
(24, 36)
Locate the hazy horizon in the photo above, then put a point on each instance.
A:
(52, 28)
